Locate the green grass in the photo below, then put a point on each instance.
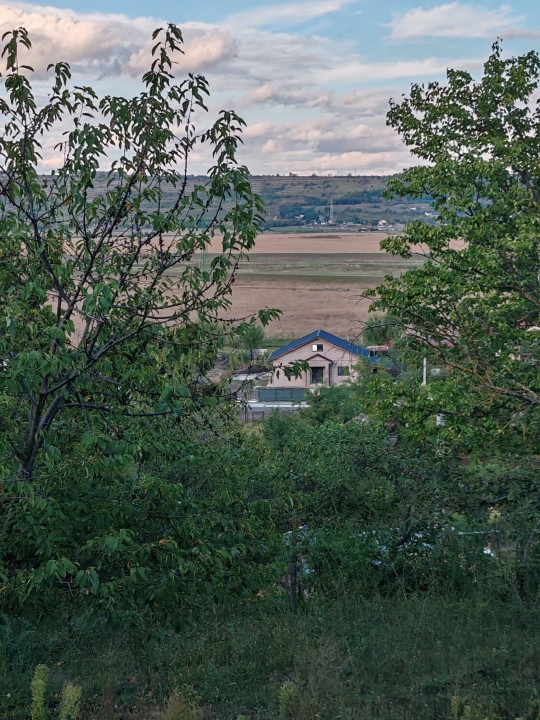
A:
(379, 659)
(366, 268)
(277, 342)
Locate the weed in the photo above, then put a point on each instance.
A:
(288, 692)
(38, 687)
(69, 702)
(182, 706)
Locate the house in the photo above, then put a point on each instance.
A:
(331, 362)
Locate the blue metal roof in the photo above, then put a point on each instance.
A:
(323, 335)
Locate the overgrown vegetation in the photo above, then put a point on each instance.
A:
(362, 559)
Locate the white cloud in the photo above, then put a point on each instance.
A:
(321, 145)
(95, 42)
(458, 20)
(357, 71)
(312, 104)
(109, 45)
(204, 47)
(289, 13)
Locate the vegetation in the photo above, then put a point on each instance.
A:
(251, 338)
(373, 556)
(382, 330)
(294, 203)
(475, 309)
(105, 352)
(297, 201)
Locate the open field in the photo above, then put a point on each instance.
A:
(316, 279)
(316, 242)
(306, 306)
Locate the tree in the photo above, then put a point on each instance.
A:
(251, 337)
(104, 305)
(381, 329)
(475, 302)
(110, 324)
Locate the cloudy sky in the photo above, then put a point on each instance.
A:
(312, 79)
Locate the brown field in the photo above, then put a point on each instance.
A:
(317, 280)
(316, 242)
(306, 307)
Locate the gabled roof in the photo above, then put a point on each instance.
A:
(320, 355)
(323, 335)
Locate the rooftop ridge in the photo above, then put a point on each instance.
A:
(322, 335)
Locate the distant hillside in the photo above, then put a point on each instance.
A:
(294, 201)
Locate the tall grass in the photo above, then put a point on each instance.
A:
(414, 658)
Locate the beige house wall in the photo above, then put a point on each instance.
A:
(330, 358)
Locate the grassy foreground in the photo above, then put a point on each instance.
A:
(382, 659)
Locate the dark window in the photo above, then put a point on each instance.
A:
(317, 375)
(378, 351)
(317, 348)
(343, 370)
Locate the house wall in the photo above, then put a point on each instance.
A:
(334, 355)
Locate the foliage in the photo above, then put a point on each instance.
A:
(70, 697)
(70, 701)
(340, 402)
(110, 325)
(381, 329)
(160, 518)
(146, 537)
(357, 199)
(286, 697)
(105, 310)
(39, 688)
(347, 656)
(354, 400)
(357, 492)
(389, 497)
(349, 471)
(181, 706)
(251, 337)
(472, 305)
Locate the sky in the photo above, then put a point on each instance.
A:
(312, 79)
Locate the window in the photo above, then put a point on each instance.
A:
(343, 370)
(317, 375)
(378, 350)
(316, 348)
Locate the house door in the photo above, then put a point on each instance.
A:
(317, 375)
